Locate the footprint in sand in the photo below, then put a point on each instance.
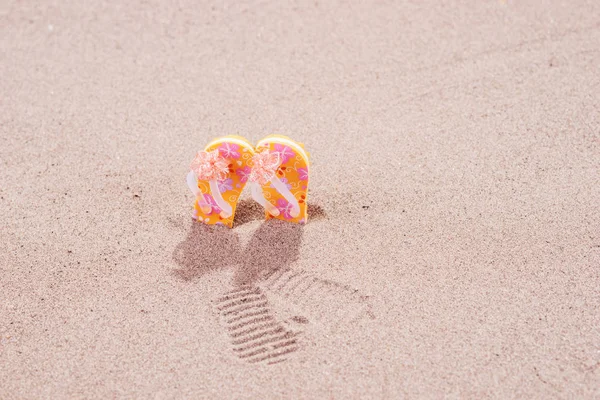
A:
(254, 332)
(331, 303)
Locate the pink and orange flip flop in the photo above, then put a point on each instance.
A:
(277, 170)
(217, 177)
(283, 190)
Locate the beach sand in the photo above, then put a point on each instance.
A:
(453, 243)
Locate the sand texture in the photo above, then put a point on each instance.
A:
(453, 243)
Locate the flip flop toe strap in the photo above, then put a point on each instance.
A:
(209, 166)
(289, 196)
(264, 167)
(282, 189)
(257, 195)
(225, 207)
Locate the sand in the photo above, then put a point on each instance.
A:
(453, 247)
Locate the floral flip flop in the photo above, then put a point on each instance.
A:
(279, 178)
(217, 177)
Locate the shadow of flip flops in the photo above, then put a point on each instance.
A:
(275, 244)
(206, 248)
(209, 247)
(247, 211)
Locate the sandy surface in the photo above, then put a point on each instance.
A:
(454, 242)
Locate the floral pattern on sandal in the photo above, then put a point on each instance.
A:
(237, 153)
(292, 172)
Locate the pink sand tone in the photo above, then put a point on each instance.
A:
(453, 246)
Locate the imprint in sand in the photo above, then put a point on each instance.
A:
(329, 302)
(254, 332)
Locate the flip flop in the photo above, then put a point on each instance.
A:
(279, 178)
(217, 177)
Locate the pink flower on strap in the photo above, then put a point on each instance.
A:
(209, 165)
(264, 167)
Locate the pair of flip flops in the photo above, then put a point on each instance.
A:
(276, 170)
